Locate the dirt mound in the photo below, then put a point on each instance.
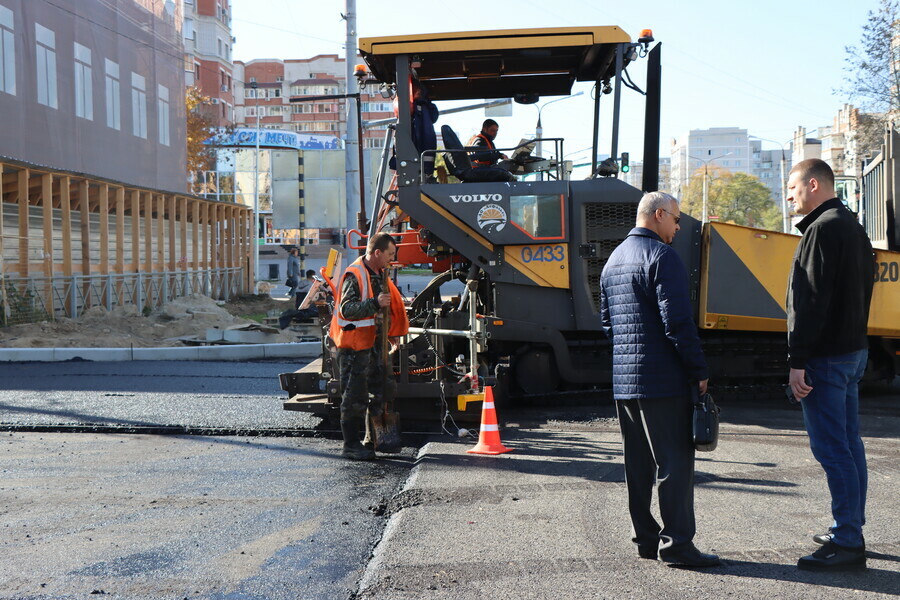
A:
(125, 327)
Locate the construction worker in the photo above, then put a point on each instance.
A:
(355, 329)
(489, 156)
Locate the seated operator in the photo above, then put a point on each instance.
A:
(489, 156)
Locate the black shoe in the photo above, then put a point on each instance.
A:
(827, 538)
(353, 449)
(358, 453)
(650, 552)
(832, 557)
(687, 555)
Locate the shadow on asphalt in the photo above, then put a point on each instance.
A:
(872, 580)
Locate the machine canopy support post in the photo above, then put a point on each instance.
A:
(598, 91)
(407, 156)
(650, 181)
(617, 101)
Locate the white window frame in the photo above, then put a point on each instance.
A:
(162, 114)
(113, 96)
(7, 51)
(84, 86)
(138, 106)
(45, 53)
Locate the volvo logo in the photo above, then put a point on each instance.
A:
(477, 198)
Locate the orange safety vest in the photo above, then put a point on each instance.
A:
(362, 335)
(490, 145)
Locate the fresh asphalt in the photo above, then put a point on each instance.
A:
(130, 515)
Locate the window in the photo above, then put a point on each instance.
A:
(113, 108)
(220, 54)
(84, 89)
(138, 106)
(253, 80)
(45, 45)
(188, 29)
(249, 93)
(162, 114)
(279, 79)
(7, 52)
(275, 111)
(251, 111)
(540, 217)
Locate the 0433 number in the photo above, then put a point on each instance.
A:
(544, 254)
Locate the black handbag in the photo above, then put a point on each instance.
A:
(289, 282)
(705, 423)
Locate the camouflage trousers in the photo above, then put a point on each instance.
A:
(362, 379)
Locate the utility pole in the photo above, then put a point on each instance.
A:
(351, 140)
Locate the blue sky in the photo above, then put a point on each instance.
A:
(766, 66)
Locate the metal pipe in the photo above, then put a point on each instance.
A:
(382, 174)
(597, 91)
(448, 332)
(617, 101)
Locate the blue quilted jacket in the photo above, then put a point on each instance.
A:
(646, 311)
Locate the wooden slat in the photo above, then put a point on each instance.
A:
(120, 230)
(160, 233)
(213, 236)
(183, 219)
(135, 231)
(22, 199)
(205, 246)
(103, 207)
(84, 207)
(47, 199)
(65, 206)
(195, 235)
(148, 233)
(173, 258)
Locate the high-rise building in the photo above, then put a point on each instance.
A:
(95, 87)
(264, 89)
(208, 45)
(721, 147)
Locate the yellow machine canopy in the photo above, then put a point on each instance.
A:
(499, 64)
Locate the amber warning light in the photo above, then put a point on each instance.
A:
(646, 36)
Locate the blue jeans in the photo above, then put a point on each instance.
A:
(831, 413)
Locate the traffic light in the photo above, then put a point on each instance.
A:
(625, 167)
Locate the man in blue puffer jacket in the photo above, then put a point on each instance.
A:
(658, 365)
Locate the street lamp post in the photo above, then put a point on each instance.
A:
(785, 211)
(539, 129)
(703, 218)
(255, 86)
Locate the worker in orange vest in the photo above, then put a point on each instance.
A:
(355, 329)
(489, 156)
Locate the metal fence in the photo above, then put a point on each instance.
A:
(39, 298)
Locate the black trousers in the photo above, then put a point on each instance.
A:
(659, 449)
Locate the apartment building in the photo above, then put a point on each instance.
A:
(95, 87)
(208, 45)
(723, 147)
(264, 89)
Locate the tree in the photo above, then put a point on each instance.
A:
(872, 75)
(733, 197)
(200, 127)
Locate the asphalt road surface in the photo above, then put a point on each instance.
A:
(87, 515)
(280, 516)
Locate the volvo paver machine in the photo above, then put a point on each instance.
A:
(530, 246)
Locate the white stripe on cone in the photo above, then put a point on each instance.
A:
(490, 428)
(487, 405)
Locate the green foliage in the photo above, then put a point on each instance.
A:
(734, 197)
(21, 306)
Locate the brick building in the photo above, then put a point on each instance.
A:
(277, 81)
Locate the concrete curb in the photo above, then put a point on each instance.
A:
(235, 352)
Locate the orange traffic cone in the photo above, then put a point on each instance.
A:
(489, 438)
